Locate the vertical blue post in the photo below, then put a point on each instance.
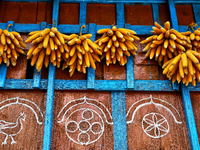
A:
(119, 120)
(196, 10)
(50, 91)
(191, 126)
(82, 13)
(37, 75)
(3, 67)
(91, 71)
(120, 14)
(129, 68)
(118, 98)
(174, 23)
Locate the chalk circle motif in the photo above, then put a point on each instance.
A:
(87, 114)
(96, 128)
(87, 128)
(155, 125)
(71, 126)
(83, 138)
(84, 126)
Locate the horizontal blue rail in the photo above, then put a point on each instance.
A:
(104, 85)
(110, 1)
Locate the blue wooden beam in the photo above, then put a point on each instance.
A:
(37, 75)
(129, 68)
(191, 126)
(196, 10)
(82, 13)
(50, 91)
(174, 22)
(119, 120)
(120, 14)
(91, 71)
(100, 85)
(3, 67)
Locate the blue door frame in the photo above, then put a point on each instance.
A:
(117, 87)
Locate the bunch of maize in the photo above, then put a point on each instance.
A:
(184, 67)
(117, 44)
(165, 43)
(49, 44)
(82, 52)
(11, 45)
(193, 39)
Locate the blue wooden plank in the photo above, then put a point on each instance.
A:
(191, 126)
(3, 67)
(129, 68)
(172, 9)
(120, 14)
(66, 28)
(63, 28)
(82, 13)
(194, 88)
(3, 71)
(37, 75)
(196, 10)
(50, 91)
(95, 1)
(111, 1)
(140, 85)
(23, 84)
(119, 120)
(100, 85)
(156, 16)
(174, 23)
(91, 71)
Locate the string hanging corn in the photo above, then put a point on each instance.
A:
(11, 46)
(117, 44)
(80, 52)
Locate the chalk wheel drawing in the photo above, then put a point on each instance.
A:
(155, 125)
(87, 130)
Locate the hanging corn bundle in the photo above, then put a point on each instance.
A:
(117, 44)
(11, 45)
(48, 46)
(81, 52)
(184, 67)
(164, 44)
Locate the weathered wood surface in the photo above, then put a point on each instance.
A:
(59, 138)
(195, 99)
(31, 135)
(184, 14)
(176, 138)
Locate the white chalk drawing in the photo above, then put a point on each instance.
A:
(150, 101)
(11, 129)
(155, 125)
(82, 101)
(85, 128)
(83, 131)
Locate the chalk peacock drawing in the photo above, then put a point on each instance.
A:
(12, 128)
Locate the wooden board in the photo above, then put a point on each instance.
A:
(60, 140)
(184, 14)
(31, 134)
(133, 14)
(175, 138)
(195, 99)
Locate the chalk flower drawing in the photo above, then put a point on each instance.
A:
(157, 123)
(11, 129)
(87, 131)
